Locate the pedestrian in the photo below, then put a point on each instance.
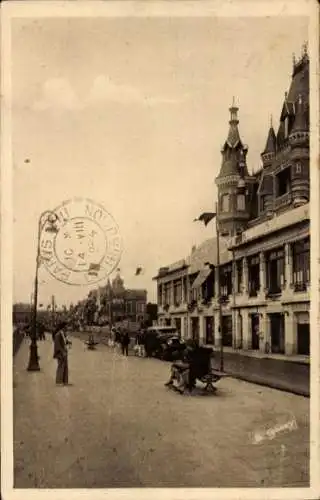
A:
(60, 353)
(125, 341)
(140, 342)
(41, 331)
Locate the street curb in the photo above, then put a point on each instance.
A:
(273, 385)
(264, 357)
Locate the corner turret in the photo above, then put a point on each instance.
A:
(233, 181)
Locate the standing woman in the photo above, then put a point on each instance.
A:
(60, 353)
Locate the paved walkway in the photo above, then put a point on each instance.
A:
(275, 372)
(278, 374)
(118, 426)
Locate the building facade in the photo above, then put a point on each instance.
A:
(263, 285)
(114, 304)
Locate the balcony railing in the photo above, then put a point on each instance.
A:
(300, 287)
(206, 300)
(274, 292)
(224, 299)
(192, 305)
(283, 200)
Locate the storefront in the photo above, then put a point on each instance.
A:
(277, 333)
(195, 328)
(255, 332)
(303, 333)
(227, 330)
(177, 322)
(209, 330)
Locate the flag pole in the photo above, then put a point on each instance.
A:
(219, 291)
(187, 300)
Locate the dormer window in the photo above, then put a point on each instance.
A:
(262, 203)
(286, 127)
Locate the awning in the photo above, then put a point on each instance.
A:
(201, 278)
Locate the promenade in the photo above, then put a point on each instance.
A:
(118, 426)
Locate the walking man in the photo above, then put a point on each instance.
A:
(60, 353)
(125, 341)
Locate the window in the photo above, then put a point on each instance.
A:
(262, 203)
(166, 293)
(283, 182)
(298, 168)
(208, 287)
(225, 203)
(177, 292)
(275, 271)
(241, 202)
(254, 276)
(226, 280)
(301, 264)
(239, 274)
(185, 289)
(160, 295)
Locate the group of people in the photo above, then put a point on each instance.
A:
(122, 338)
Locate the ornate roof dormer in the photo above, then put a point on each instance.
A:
(270, 148)
(300, 121)
(234, 152)
(299, 90)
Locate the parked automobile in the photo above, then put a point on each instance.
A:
(155, 336)
(172, 348)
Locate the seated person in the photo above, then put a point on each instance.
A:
(183, 370)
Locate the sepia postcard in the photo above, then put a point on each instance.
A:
(160, 249)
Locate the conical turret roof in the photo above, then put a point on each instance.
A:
(233, 151)
(271, 143)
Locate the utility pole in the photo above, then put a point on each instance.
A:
(53, 307)
(219, 292)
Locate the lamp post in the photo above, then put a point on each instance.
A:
(187, 301)
(206, 217)
(34, 358)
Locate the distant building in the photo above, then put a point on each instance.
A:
(117, 303)
(21, 313)
(264, 226)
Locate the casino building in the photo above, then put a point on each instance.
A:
(263, 221)
(116, 304)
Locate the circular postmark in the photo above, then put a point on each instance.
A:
(80, 243)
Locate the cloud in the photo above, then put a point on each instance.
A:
(58, 94)
(104, 89)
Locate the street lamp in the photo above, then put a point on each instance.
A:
(51, 218)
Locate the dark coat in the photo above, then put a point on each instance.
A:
(125, 339)
(60, 346)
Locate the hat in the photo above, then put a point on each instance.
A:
(61, 326)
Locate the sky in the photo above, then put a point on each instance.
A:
(132, 113)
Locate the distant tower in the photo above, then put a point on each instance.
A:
(233, 181)
(118, 284)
